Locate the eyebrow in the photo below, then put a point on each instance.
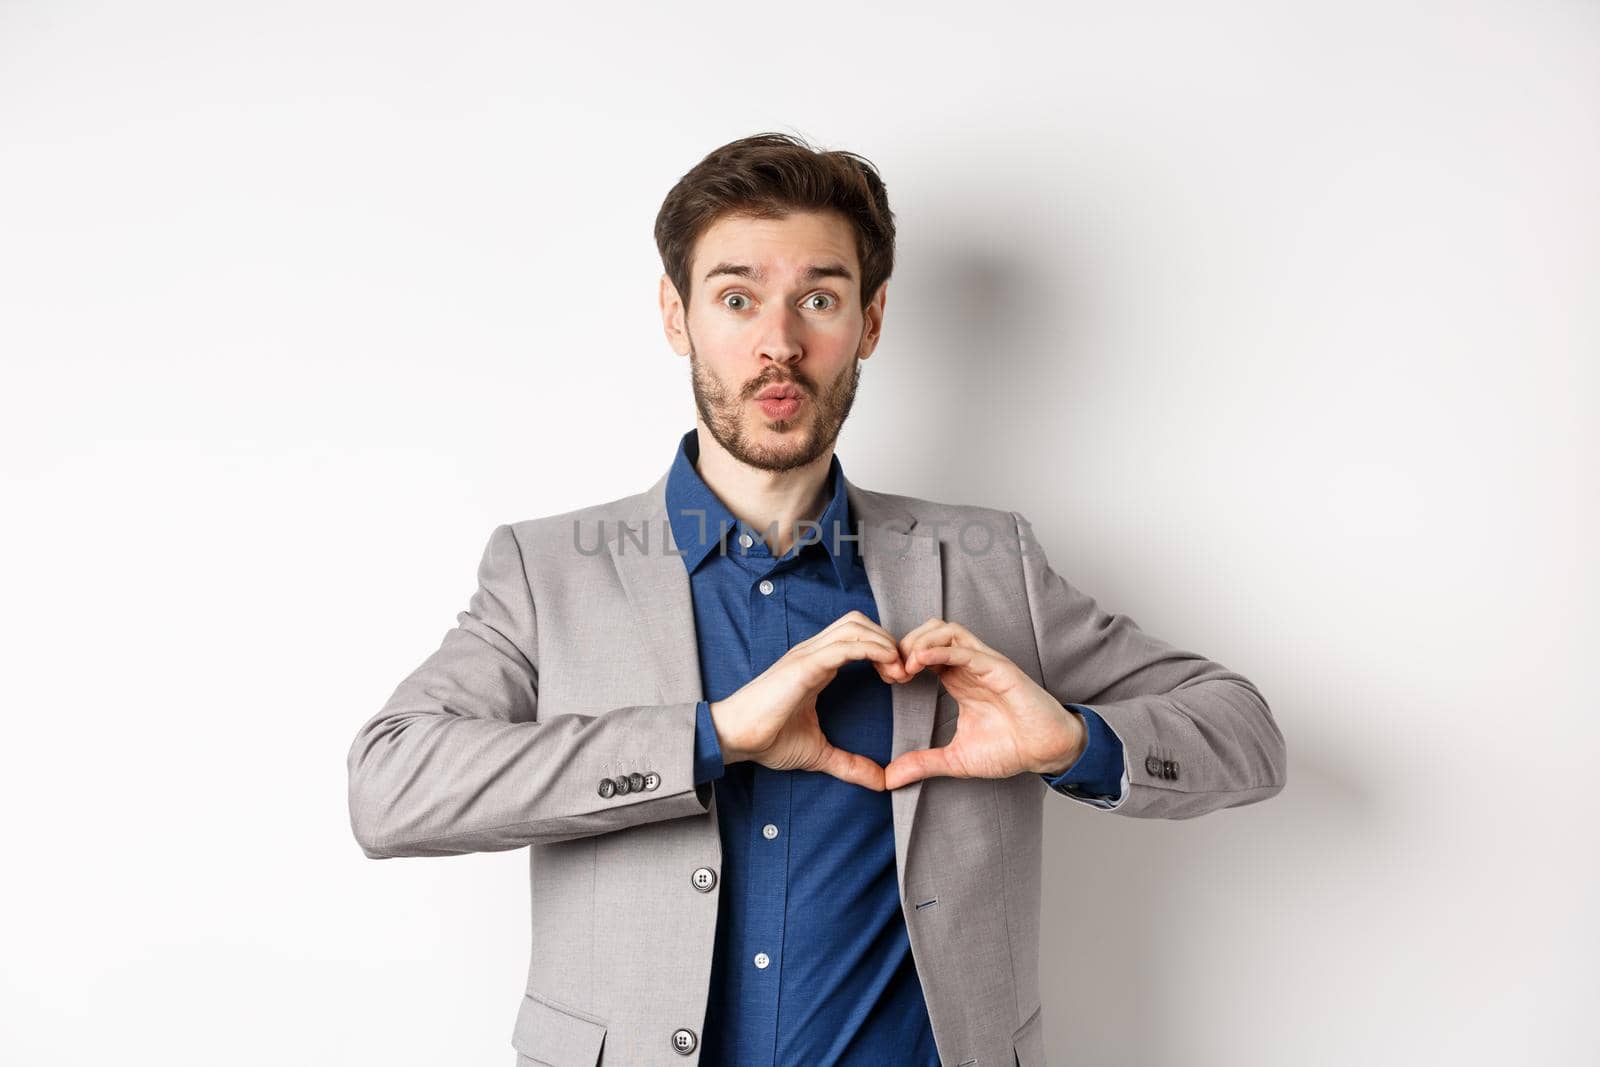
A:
(812, 273)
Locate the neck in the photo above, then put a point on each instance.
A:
(774, 503)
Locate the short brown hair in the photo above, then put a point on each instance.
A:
(769, 175)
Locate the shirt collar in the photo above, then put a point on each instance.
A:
(700, 521)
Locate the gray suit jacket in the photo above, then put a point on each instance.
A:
(576, 664)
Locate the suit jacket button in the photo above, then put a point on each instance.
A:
(1152, 766)
(1169, 770)
(652, 780)
(1174, 770)
(623, 785)
(703, 879)
(683, 1041)
(635, 782)
(607, 787)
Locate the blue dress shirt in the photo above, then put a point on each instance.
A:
(812, 963)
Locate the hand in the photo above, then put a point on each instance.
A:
(1007, 725)
(773, 719)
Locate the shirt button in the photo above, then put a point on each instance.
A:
(762, 960)
(769, 831)
(746, 540)
(765, 587)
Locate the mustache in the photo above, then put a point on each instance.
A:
(803, 386)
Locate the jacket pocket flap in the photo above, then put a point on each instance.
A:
(556, 1034)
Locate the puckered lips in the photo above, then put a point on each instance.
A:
(781, 401)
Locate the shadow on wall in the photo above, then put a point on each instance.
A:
(1136, 900)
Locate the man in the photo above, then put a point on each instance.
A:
(779, 744)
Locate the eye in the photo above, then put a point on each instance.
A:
(734, 296)
(826, 296)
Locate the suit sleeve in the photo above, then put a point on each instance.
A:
(462, 758)
(1196, 736)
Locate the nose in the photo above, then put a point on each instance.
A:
(780, 340)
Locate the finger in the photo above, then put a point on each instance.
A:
(937, 632)
(916, 765)
(853, 768)
(890, 669)
(916, 638)
(893, 673)
(850, 625)
(825, 634)
(827, 659)
(971, 639)
(912, 635)
(857, 617)
(945, 634)
(865, 624)
(977, 661)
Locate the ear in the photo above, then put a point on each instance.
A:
(672, 316)
(872, 327)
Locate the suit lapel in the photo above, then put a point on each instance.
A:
(657, 586)
(903, 567)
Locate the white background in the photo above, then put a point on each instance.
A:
(1278, 322)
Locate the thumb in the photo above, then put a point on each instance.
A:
(853, 768)
(916, 765)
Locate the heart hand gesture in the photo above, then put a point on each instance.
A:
(1007, 723)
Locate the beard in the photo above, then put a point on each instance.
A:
(809, 435)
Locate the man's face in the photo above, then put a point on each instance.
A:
(774, 302)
